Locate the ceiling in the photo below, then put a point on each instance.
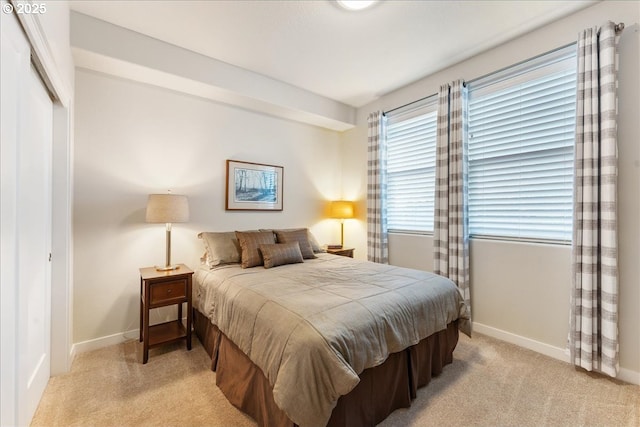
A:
(350, 57)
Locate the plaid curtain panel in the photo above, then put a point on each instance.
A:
(377, 239)
(593, 338)
(451, 220)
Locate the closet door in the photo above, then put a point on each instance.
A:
(34, 246)
(25, 224)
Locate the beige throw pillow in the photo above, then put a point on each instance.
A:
(280, 254)
(221, 248)
(249, 244)
(301, 236)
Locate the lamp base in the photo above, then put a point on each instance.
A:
(167, 267)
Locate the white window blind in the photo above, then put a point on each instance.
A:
(521, 139)
(411, 162)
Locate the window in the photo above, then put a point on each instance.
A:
(411, 164)
(521, 139)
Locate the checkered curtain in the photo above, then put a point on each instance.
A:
(377, 239)
(451, 222)
(593, 340)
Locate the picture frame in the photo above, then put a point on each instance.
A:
(254, 186)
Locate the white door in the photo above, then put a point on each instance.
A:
(26, 114)
(34, 247)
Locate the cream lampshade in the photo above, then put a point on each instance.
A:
(342, 209)
(167, 209)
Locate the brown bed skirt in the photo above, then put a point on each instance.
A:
(381, 389)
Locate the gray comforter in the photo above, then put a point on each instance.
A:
(313, 327)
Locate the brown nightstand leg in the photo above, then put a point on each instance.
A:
(145, 335)
(141, 308)
(189, 313)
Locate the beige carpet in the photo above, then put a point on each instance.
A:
(490, 383)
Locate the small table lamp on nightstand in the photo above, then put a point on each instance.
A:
(167, 208)
(342, 209)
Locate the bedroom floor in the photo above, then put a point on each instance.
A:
(489, 383)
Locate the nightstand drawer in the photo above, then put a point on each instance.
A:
(167, 291)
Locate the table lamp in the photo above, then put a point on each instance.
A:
(341, 209)
(167, 208)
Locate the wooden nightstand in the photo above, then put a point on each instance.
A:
(160, 289)
(342, 252)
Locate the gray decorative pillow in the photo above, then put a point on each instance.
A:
(249, 243)
(280, 254)
(314, 243)
(221, 248)
(301, 236)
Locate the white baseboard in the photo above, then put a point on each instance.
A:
(72, 356)
(98, 343)
(625, 375)
(528, 343)
(629, 376)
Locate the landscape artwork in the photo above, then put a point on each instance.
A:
(253, 186)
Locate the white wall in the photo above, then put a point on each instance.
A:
(132, 139)
(55, 25)
(520, 291)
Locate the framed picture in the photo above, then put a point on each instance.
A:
(253, 186)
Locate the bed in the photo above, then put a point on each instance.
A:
(300, 337)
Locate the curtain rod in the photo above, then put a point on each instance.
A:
(408, 103)
(618, 28)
